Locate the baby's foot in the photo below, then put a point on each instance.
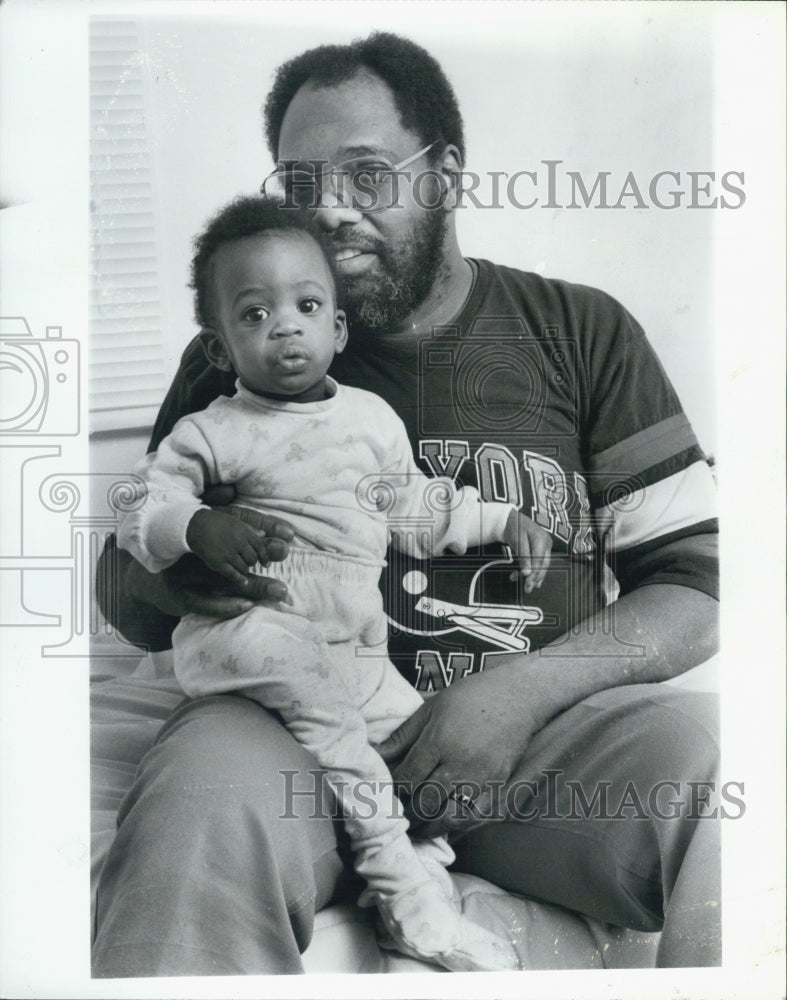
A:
(435, 857)
(423, 923)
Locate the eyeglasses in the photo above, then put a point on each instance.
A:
(365, 183)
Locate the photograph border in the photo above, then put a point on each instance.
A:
(53, 525)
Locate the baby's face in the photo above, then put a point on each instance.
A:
(276, 310)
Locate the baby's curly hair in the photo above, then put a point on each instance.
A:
(424, 98)
(248, 216)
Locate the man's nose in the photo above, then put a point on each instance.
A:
(333, 211)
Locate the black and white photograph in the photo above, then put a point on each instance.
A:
(380, 597)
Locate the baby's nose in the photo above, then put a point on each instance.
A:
(286, 326)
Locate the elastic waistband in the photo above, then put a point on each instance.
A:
(307, 562)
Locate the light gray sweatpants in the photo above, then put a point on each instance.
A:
(214, 872)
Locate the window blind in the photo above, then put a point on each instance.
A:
(126, 366)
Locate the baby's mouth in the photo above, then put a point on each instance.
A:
(293, 358)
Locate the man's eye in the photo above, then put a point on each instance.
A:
(372, 174)
(255, 314)
(309, 305)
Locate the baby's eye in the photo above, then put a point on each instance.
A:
(309, 305)
(255, 314)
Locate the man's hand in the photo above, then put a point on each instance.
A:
(460, 740)
(531, 546)
(478, 729)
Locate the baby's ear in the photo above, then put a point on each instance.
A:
(215, 349)
(340, 331)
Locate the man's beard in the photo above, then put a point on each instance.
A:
(407, 272)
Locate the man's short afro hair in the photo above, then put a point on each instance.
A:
(424, 98)
(248, 216)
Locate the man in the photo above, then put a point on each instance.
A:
(552, 769)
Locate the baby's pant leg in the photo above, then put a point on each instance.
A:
(282, 661)
(303, 678)
(393, 701)
(419, 912)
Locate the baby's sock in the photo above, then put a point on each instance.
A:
(422, 920)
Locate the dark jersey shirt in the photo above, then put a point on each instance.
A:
(546, 395)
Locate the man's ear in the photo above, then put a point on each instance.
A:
(450, 167)
(340, 331)
(215, 349)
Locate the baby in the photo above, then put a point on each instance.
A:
(335, 462)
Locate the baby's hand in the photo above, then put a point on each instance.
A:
(225, 544)
(531, 546)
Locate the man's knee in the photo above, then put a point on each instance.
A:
(225, 757)
(604, 805)
(671, 733)
(208, 821)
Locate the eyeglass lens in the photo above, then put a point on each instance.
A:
(368, 185)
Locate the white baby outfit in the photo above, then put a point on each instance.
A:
(341, 472)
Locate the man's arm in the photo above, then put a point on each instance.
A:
(476, 731)
(139, 621)
(652, 634)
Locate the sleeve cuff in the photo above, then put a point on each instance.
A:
(486, 521)
(167, 535)
(157, 537)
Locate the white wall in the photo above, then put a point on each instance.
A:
(117, 452)
(624, 89)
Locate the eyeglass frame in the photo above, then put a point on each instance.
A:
(330, 171)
